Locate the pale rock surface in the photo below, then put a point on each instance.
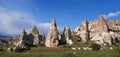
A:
(67, 36)
(22, 39)
(52, 39)
(35, 34)
(82, 31)
(97, 26)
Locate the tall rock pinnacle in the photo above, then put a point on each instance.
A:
(22, 39)
(102, 24)
(35, 30)
(82, 31)
(35, 34)
(23, 35)
(52, 39)
(67, 36)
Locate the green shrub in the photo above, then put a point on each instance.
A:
(68, 55)
(95, 46)
(30, 45)
(117, 52)
(1, 49)
(19, 49)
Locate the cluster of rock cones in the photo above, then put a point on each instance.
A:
(100, 31)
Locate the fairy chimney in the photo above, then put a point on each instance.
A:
(35, 34)
(52, 39)
(67, 36)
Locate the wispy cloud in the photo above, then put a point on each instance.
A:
(114, 14)
(12, 22)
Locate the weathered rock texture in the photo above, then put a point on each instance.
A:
(82, 31)
(35, 34)
(98, 26)
(22, 40)
(67, 36)
(113, 24)
(23, 35)
(101, 31)
(52, 39)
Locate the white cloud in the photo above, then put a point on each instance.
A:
(114, 14)
(12, 22)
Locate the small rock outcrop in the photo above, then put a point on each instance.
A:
(67, 36)
(52, 39)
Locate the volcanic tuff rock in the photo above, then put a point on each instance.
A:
(35, 34)
(100, 31)
(67, 36)
(52, 39)
(98, 25)
(113, 24)
(22, 39)
(82, 31)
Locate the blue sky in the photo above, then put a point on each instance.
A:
(23, 14)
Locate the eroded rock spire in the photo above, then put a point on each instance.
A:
(67, 36)
(35, 34)
(52, 39)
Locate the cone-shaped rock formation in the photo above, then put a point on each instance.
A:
(67, 36)
(35, 34)
(52, 39)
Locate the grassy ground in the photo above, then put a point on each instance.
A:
(62, 52)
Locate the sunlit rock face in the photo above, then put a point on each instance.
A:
(98, 26)
(35, 34)
(105, 38)
(67, 36)
(52, 39)
(82, 31)
(102, 38)
(99, 31)
(113, 24)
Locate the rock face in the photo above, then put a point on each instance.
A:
(22, 40)
(102, 38)
(82, 31)
(113, 24)
(100, 31)
(106, 38)
(35, 34)
(23, 35)
(52, 39)
(98, 25)
(67, 36)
